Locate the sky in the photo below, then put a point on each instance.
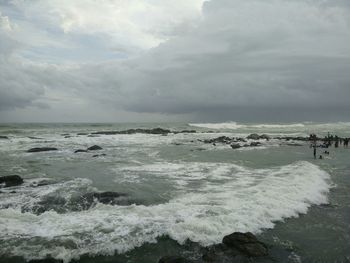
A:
(174, 60)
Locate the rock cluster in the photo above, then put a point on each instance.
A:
(11, 180)
(236, 247)
(41, 149)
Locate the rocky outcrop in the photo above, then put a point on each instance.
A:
(11, 180)
(235, 146)
(174, 259)
(46, 260)
(99, 155)
(246, 243)
(62, 204)
(41, 149)
(94, 148)
(255, 136)
(80, 151)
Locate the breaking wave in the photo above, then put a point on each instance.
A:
(226, 198)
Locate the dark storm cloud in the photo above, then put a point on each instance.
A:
(275, 60)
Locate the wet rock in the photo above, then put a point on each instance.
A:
(94, 148)
(255, 144)
(133, 131)
(4, 137)
(108, 198)
(11, 180)
(46, 260)
(246, 243)
(99, 155)
(41, 149)
(80, 151)
(253, 136)
(265, 136)
(174, 259)
(80, 202)
(82, 133)
(235, 146)
(35, 138)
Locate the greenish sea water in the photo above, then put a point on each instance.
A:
(182, 194)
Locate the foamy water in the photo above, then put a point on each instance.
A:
(230, 198)
(176, 187)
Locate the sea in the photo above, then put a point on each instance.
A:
(180, 194)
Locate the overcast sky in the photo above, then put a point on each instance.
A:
(174, 60)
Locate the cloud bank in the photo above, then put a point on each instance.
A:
(175, 60)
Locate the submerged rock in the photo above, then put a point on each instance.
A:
(99, 155)
(235, 146)
(246, 243)
(94, 148)
(41, 149)
(174, 259)
(80, 151)
(46, 260)
(11, 180)
(4, 137)
(253, 136)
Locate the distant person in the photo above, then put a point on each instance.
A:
(314, 146)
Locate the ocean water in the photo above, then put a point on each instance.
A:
(181, 194)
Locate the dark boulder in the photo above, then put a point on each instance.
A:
(246, 243)
(4, 137)
(11, 180)
(80, 151)
(99, 155)
(46, 260)
(253, 136)
(94, 148)
(235, 146)
(108, 198)
(174, 259)
(265, 136)
(41, 149)
(255, 144)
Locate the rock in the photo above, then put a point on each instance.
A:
(41, 149)
(94, 148)
(11, 180)
(174, 259)
(246, 243)
(235, 146)
(99, 155)
(253, 136)
(80, 151)
(109, 198)
(46, 260)
(265, 136)
(254, 144)
(133, 131)
(4, 137)
(82, 133)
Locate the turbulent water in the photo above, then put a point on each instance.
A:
(180, 194)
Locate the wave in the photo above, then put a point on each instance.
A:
(279, 126)
(235, 125)
(226, 198)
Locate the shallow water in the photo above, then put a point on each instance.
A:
(182, 193)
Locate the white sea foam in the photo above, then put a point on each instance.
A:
(235, 126)
(229, 198)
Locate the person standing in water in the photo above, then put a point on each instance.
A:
(314, 146)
